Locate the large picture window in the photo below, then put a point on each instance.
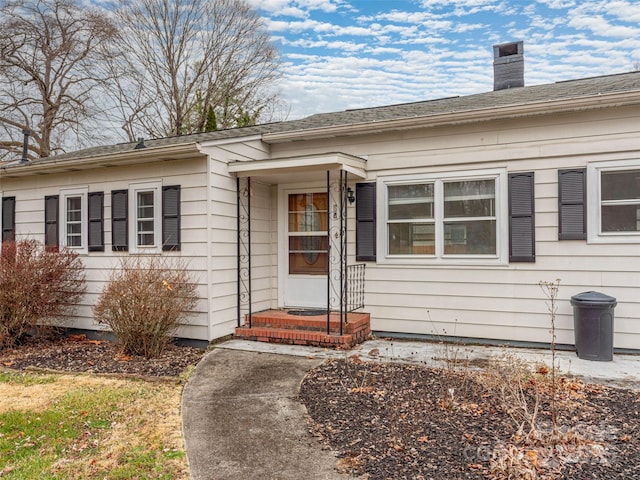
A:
(443, 217)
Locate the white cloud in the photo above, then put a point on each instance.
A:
(402, 51)
(295, 8)
(625, 11)
(558, 4)
(600, 26)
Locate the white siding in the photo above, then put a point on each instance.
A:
(223, 236)
(189, 174)
(501, 302)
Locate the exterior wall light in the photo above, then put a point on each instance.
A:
(351, 196)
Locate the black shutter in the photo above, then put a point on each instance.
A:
(119, 220)
(171, 217)
(366, 222)
(8, 219)
(522, 241)
(51, 222)
(572, 201)
(96, 221)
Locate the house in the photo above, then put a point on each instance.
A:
(435, 217)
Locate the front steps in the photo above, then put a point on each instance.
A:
(280, 326)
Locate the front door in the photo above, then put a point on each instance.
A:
(305, 258)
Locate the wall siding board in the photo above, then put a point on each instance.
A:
(30, 192)
(501, 302)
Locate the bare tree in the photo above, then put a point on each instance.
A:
(186, 60)
(50, 57)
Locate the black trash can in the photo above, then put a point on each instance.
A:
(593, 325)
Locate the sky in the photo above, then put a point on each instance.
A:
(345, 54)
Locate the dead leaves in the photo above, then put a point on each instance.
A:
(83, 339)
(369, 389)
(123, 357)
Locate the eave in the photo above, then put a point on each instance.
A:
(163, 153)
(287, 169)
(455, 118)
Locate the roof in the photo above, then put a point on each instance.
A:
(568, 92)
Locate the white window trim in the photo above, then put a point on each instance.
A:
(501, 258)
(156, 187)
(594, 226)
(84, 240)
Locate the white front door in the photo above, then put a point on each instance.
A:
(304, 252)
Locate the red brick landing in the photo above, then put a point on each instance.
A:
(278, 326)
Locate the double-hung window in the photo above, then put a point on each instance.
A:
(614, 202)
(73, 219)
(436, 218)
(145, 217)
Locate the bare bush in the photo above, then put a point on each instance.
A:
(144, 303)
(37, 286)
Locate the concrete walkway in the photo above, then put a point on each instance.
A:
(242, 418)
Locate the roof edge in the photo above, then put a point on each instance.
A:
(130, 157)
(467, 116)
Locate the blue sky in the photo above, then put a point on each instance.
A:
(340, 54)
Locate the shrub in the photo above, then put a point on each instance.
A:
(144, 302)
(37, 286)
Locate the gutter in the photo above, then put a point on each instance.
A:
(468, 116)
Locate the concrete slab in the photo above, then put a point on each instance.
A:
(623, 371)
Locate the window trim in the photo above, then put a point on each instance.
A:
(439, 258)
(594, 234)
(156, 188)
(84, 226)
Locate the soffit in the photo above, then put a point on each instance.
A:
(299, 169)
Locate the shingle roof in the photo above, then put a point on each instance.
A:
(566, 90)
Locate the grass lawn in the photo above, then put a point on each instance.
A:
(86, 426)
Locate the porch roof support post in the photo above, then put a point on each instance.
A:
(328, 252)
(249, 242)
(243, 261)
(343, 245)
(238, 281)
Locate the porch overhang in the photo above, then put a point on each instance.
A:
(279, 170)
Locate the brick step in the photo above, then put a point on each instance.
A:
(283, 320)
(279, 326)
(301, 337)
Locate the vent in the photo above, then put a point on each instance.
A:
(508, 65)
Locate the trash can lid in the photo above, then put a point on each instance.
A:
(593, 298)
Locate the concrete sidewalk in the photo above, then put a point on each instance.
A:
(242, 418)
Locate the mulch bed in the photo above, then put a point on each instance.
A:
(80, 354)
(398, 421)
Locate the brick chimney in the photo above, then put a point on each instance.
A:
(508, 65)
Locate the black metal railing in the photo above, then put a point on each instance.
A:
(355, 286)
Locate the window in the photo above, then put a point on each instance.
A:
(150, 222)
(614, 202)
(73, 219)
(145, 220)
(433, 218)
